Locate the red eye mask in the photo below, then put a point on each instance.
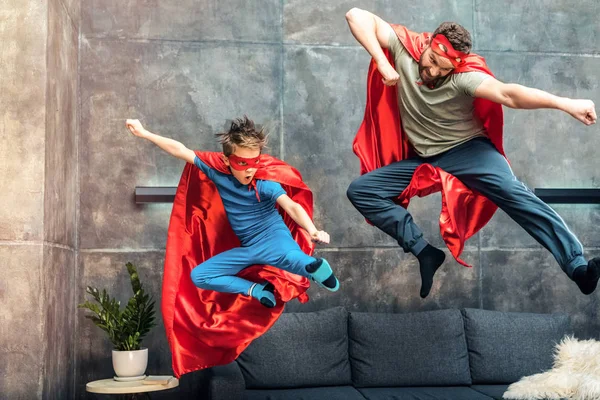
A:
(242, 163)
(456, 57)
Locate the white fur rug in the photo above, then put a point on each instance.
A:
(575, 374)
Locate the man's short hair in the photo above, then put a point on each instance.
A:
(457, 35)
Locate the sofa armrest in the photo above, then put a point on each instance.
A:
(225, 382)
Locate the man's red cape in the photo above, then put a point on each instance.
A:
(381, 140)
(207, 328)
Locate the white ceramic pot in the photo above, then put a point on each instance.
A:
(130, 363)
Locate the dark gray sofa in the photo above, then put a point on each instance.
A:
(467, 354)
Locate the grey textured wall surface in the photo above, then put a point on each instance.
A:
(22, 55)
(187, 67)
(59, 271)
(38, 163)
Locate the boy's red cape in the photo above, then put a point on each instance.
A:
(206, 328)
(380, 141)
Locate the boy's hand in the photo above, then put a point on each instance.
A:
(321, 237)
(135, 126)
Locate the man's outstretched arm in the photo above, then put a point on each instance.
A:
(521, 97)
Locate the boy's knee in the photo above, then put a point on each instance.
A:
(198, 278)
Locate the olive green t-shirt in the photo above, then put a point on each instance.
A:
(435, 120)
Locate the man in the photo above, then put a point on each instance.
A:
(447, 114)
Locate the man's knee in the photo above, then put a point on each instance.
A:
(511, 188)
(356, 190)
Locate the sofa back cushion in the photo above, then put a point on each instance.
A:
(300, 350)
(417, 349)
(504, 346)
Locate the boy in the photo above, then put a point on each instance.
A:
(250, 207)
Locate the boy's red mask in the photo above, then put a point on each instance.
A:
(243, 163)
(442, 47)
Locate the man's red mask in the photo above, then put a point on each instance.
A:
(442, 47)
(243, 163)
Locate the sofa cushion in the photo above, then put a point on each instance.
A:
(416, 349)
(300, 350)
(422, 393)
(504, 346)
(494, 391)
(325, 393)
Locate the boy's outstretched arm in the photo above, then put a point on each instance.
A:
(171, 146)
(301, 217)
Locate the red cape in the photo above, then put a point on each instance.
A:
(206, 328)
(381, 140)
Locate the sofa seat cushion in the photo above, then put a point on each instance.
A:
(505, 346)
(300, 350)
(494, 391)
(422, 393)
(415, 349)
(324, 393)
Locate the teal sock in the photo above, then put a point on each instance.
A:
(330, 281)
(263, 292)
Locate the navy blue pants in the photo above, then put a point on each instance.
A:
(277, 249)
(479, 165)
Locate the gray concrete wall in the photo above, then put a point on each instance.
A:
(59, 272)
(22, 153)
(185, 67)
(38, 163)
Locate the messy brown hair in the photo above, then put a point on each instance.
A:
(242, 133)
(457, 35)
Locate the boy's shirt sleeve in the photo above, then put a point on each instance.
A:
(208, 171)
(270, 190)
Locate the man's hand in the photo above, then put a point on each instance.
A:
(582, 110)
(135, 126)
(389, 74)
(320, 237)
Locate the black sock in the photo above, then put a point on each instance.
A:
(430, 259)
(586, 276)
(313, 266)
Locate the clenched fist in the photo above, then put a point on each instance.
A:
(136, 127)
(320, 237)
(583, 110)
(389, 74)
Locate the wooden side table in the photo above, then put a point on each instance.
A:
(110, 386)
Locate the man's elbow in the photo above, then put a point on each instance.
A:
(512, 102)
(506, 101)
(352, 13)
(510, 96)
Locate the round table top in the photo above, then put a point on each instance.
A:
(110, 386)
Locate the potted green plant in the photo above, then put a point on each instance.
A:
(125, 328)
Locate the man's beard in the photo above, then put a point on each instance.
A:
(425, 76)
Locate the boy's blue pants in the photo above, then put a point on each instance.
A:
(277, 249)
